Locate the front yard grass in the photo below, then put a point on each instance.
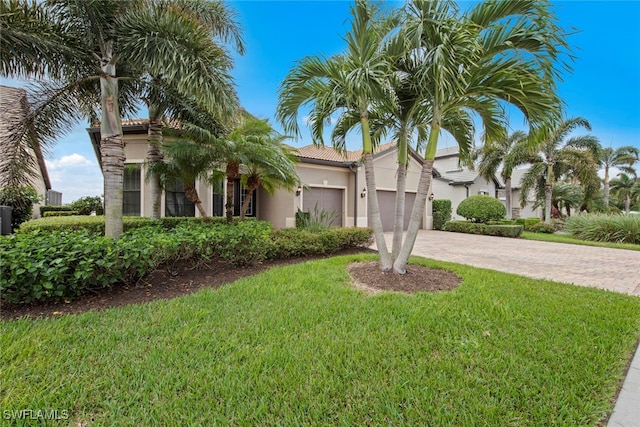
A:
(565, 238)
(298, 345)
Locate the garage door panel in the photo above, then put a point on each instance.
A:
(329, 199)
(387, 203)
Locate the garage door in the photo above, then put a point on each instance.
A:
(329, 199)
(387, 203)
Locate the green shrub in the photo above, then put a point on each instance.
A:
(605, 228)
(21, 201)
(441, 213)
(93, 224)
(87, 205)
(60, 213)
(295, 242)
(479, 228)
(481, 208)
(541, 227)
(46, 208)
(41, 266)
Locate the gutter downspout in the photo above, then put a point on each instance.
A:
(355, 192)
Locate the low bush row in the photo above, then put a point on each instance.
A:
(95, 224)
(605, 228)
(52, 264)
(490, 230)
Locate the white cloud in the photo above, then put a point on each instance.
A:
(70, 161)
(75, 176)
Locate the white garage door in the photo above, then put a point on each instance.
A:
(329, 199)
(387, 202)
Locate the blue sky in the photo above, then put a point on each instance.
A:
(604, 87)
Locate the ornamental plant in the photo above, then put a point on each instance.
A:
(481, 208)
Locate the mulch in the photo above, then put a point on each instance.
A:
(166, 284)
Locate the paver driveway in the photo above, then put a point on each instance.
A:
(614, 269)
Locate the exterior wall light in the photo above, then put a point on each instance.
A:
(298, 191)
(363, 193)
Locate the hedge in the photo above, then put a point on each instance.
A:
(295, 242)
(55, 265)
(47, 208)
(489, 230)
(96, 223)
(60, 213)
(441, 213)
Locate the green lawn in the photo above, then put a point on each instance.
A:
(565, 238)
(298, 345)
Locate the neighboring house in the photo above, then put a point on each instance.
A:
(13, 108)
(329, 180)
(456, 182)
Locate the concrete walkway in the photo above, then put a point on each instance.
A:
(613, 269)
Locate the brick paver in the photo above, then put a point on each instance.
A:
(614, 269)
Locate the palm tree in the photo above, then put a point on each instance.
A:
(347, 84)
(120, 39)
(188, 162)
(624, 187)
(164, 96)
(271, 166)
(508, 153)
(560, 155)
(475, 64)
(622, 157)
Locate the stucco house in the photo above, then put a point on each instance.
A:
(456, 182)
(14, 107)
(329, 179)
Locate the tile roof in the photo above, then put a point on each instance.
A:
(458, 177)
(333, 155)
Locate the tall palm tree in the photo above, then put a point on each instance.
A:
(504, 155)
(163, 96)
(347, 84)
(557, 154)
(120, 39)
(475, 64)
(622, 157)
(624, 187)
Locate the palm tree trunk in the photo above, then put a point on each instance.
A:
(401, 187)
(247, 202)
(627, 203)
(192, 194)
(507, 195)
(548, 193)
(232, 174)
(417, 213)
(605, 190)
(372, 197)
(424, 185)
(111, 147)
(154, 155)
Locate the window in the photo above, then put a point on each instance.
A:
(515, 213)
(502, 195)
(175, 201)
(131, 190)
(239, 195)
(218, 199)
